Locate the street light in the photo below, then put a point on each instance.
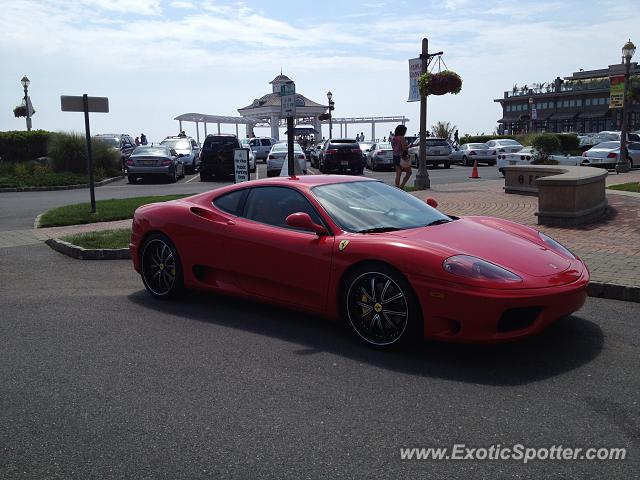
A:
(530, 114)
(331, 107)
(628, 51)
(25, 84)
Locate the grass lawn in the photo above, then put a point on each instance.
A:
(102, 239)
(626, 187)
(106, 210)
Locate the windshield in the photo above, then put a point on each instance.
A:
(367, 205)
(177, 144)
(112, 142)
(437, 143)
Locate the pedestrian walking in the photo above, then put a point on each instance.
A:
(456, 140)
(401, 160)
(143, 139)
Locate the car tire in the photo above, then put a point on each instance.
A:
(321, 167)
(447, 165)
(131, 179)
(393, 317)
(465, 161)
(160, 267)
(173, 178)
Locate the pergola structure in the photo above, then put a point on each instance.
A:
(372, 120)
(265, 112)
(199, 118)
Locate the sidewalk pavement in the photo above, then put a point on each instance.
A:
(611, 247)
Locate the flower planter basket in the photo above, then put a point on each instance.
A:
(439, 83)
(20, 111)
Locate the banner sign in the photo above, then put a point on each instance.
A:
(415, 69)
(617, 91)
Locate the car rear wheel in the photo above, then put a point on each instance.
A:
(160, 267)
(465, 161)
(132, 179)
(381, 307)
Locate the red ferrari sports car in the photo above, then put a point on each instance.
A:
(395, 268)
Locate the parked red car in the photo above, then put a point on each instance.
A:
(396, 269)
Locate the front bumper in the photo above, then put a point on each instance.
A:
(458, 313)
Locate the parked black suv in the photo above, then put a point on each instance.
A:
(216, 156)
(341, 155)
(121, 142)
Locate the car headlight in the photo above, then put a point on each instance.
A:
(555, 246)
(478, 269)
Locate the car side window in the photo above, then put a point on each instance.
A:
(232, 202)
(173, 152)
(194, 144)
(272, 206)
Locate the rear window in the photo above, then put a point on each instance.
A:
(221, 143)
(634, 137)
(437, 143)
(342, 140)
(265, 142)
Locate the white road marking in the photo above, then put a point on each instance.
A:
(192, 178)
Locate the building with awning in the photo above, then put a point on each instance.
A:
(577, 103)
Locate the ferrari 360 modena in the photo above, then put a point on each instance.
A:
(395, 268)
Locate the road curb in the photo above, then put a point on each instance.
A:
(60, 187)
(613, 291)
(80, 253)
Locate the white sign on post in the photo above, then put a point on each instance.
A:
(288, 100)
(415, 69)
(241, 164)
(534, 114)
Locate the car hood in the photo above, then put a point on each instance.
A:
(492, 240)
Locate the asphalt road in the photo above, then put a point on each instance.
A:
(98, 380)
(18, 210)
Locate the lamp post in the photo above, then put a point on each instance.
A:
(25, 84)
(627, 53)
(331, 108)
(530, 114)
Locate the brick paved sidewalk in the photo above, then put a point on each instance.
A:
(611, 248)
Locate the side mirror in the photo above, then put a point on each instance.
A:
(432, 203)
(303, 221)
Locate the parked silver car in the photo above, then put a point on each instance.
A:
(438, 151)
(607, 154)
(504, 145)
(188, 149)
(472, 152)
(245, 142)
(154, 161)
(380, 156)
(261, 146)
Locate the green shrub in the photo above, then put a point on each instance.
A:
(484, 138)
(19, 146)
(545, 143)
(568, 141)
(69, 154)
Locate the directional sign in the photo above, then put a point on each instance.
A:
(415, 69)
(617, 91)
(534, 113)
(288, 100)
(70, 103)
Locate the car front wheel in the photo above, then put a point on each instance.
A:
(160, 267)
(381, 307)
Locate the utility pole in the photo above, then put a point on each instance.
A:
(422, 181)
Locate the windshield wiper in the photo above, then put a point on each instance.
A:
(439, 221)
(379, 230)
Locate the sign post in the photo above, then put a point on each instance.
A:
(86, 104)
(288, 110)
(241, 165)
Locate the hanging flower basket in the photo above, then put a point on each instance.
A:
(21, 111)
(439, 83)
(324, 116)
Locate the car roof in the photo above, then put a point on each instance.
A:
(177, 137)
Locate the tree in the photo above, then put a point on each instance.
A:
(443, 130)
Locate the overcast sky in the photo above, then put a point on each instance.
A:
(156, 59)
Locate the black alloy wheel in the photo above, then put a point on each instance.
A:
(160, 267)
(465, 161)
(381, 307)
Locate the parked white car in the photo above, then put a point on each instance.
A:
(277, 156)
(472, 152)
(528, 154)
(438, 151)
(380, 156)
(607, 154)
(504, 145)
(252, 156)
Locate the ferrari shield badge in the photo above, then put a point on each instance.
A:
(343, 244)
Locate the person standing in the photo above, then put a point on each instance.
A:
(401, 160)
(362, 136)
(456, 139)
(137, 141)
(143, 139)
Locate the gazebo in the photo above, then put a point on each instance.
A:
(265, 111)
